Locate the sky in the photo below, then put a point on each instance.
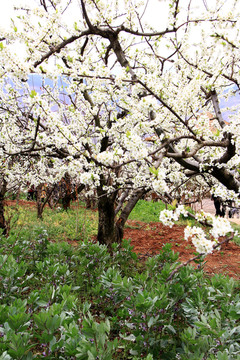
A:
(157, 5)
(156, 10)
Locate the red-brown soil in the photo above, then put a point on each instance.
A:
(148, 239)
(20, 203)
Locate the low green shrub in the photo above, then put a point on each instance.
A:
(60, 302)
(84, 302)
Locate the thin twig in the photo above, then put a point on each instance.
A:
(198, 256)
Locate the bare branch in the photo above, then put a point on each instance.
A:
(60, 46)
(196, 148)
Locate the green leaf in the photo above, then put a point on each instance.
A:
(153, 170)
(5, 356)
(90, 356)
(33, 94)
(75, 26)
(170, 328)
(151, 321)
(130, 337)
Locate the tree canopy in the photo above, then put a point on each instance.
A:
(138, 108)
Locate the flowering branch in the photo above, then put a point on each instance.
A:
(198, 256)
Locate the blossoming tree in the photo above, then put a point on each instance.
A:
(129, 102)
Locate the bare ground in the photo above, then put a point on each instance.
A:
(148, 239)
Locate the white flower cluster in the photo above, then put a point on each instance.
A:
(220, 227)
(140, 153)
(136, 148)
(88, 178)
(199, 240)
(159, 184)
(167, 217)
(105, 157)
(203, 216)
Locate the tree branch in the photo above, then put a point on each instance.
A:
(198, 256)
(60, 46)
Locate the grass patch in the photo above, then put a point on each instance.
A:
(148, 211)
(80, 223)
(76, 224)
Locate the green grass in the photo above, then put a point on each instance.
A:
(147, 211)
(76, 224)
(236, 238)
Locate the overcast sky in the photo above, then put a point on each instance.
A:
(156, 10)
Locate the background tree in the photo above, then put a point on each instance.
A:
(116, 81)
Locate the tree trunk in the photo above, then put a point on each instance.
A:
(127, 210)
(44, 194)
(107, 231)
(66, 202)
(39, 202)
(67, 191)
(3, 190)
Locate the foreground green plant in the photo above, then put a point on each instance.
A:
(60, 302)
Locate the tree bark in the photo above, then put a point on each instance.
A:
(111, 230)
(107, 230)
(39, 202)
(67, 192)
(127, 210)
(3, 190)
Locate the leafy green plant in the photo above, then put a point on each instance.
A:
(96, 344)
(13, 276)
(63, 302)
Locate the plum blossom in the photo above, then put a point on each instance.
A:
(88, 178)
(167, 217)
(220, 227)
(105, 157)
(159, 184)
(199, 240)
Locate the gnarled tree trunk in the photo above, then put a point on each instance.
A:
(110, 229)
(127, 210)
(107, 231)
